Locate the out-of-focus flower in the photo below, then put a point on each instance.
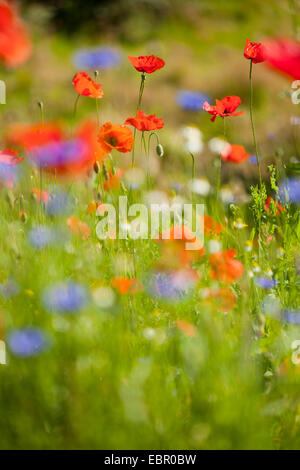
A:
(187, 328)
(224, 107)
(67, 158)
(172, 286)
(103, 296)
(97, 57)
(265, 282)
(30, 136)
(292, 317)
(192, 137)
(8, 174)
(224, 267)
(65, 297)
(214, 246)
(114, 180)
(142, 122)
(275, 206)
(256, 268)
(59, 203)
(227, 194)
(289, 190)
(191, 100)
(147, 63)
(40, 195)
(93, 206)
(87, 133)
(10, 157)
(217, 145)
(254, 51)
(283, 55)
(211, 226)
(223, 298)
(234, 153)
(271, 306)
(239, 224)
(115, 137)
(9, 289)
(123, 285)
(200, 186)
(42, 236)
(15, 44)
(248, 245)
(79, 228)
(27, 342)
(85, 86)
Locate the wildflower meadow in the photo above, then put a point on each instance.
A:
(150, 225)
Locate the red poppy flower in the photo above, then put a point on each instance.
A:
(187, 328)
(10, 157)
(44, 195)
(254, 51)
(78, 227)
(276, 206)
(224, 107)
(224, 267)
(15, 45)
(124, 285)
(234, 153)
(142, 122)
(85, 86)
(223, 298)
(146, 63)
(284, 56)
(211, 226)
(115, 137)
(30, 136)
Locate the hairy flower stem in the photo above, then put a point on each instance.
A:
(257, 157)
(252, 123)
(96, 73)
(141, 90)
(193, 177)
(74, 113)
(41, 106)
(220, 163)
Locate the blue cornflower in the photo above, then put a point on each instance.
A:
(289, 190)
(26, 342)
(100, 57)
(42, 236)
(171, 286)
(252, 159)
(59, 203)
(265, 282)
(191, 100)
(59, 154)
(292, 317)
(65, 297)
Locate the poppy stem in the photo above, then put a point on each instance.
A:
(41, 106)
(141, 90)
(252, 123)
(147, 155)
(74, 112)
(193, 175)
(220, 161)
(96, 73)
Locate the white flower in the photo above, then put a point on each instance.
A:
(217, 145)
(200, 186)
(192, 139)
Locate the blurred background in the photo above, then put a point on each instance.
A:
(202, 42)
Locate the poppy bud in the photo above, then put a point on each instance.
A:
(96, 167)
(96, 73)
(160, 150)
(105, 172)
(23, 216)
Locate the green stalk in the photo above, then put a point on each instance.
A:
(220, 163)
(252, 124)
(141, 90)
